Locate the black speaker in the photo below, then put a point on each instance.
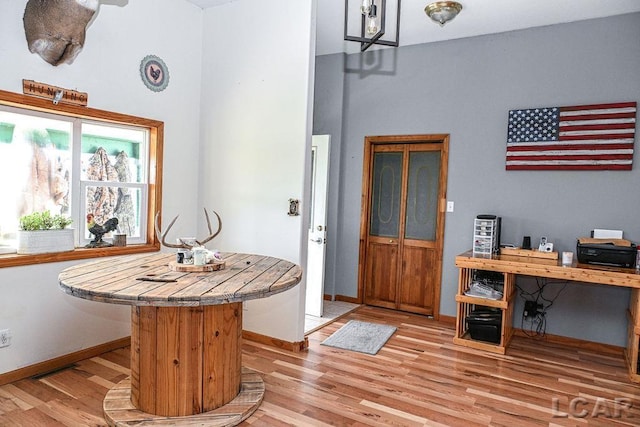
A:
(526, 242)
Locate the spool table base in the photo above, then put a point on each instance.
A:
(120, 412)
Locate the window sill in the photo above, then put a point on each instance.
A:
(14, 260)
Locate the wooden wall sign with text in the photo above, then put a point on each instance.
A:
(54, 93)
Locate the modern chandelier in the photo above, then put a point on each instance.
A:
(371, 15)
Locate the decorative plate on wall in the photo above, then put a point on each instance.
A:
(154, 73)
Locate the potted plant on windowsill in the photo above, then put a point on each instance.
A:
(41, 232)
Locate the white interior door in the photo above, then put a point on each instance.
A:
(317, 224)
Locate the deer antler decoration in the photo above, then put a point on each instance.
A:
(183, 244)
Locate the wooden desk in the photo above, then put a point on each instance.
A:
(186, 334)
(511, 266)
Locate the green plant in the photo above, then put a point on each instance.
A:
(44, 221)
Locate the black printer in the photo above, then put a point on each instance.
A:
(613, 252)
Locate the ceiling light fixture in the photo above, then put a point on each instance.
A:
(443, 11)
(372, 15)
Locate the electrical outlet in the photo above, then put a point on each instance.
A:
(5, 338)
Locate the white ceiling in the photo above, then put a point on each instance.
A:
(477, 17)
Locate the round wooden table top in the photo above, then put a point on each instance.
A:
(147, 280)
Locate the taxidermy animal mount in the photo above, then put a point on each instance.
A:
(55, 29)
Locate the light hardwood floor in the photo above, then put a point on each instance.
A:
(331, 311)
(419, 378)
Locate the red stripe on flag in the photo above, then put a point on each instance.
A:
(630, 115)
(593, 156)
(599, 106)
(516, 148)
(569, 167)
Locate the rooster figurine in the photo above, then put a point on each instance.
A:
(100, 230)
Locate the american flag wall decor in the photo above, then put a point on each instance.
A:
(586, 137)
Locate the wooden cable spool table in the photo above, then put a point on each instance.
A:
(186, 335)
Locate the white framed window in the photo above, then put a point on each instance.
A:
(76, 161)
(113, 177)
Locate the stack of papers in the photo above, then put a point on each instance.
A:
(481, 290)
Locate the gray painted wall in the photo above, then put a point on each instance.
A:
(465, 88)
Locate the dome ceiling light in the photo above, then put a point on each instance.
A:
(443, 11)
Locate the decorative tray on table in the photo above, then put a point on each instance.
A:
(190, 268)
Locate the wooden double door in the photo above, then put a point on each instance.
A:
(402, 222)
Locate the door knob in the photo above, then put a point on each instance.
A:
(318, 240)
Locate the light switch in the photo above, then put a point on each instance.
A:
(449, 206)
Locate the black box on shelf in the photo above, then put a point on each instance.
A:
(485, 324)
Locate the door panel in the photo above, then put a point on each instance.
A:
(402, 222)
(416, 288)
(381, 274)
(317, 225)
(387, 182)
(416, 285)
(382, 250)
(422, 195)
